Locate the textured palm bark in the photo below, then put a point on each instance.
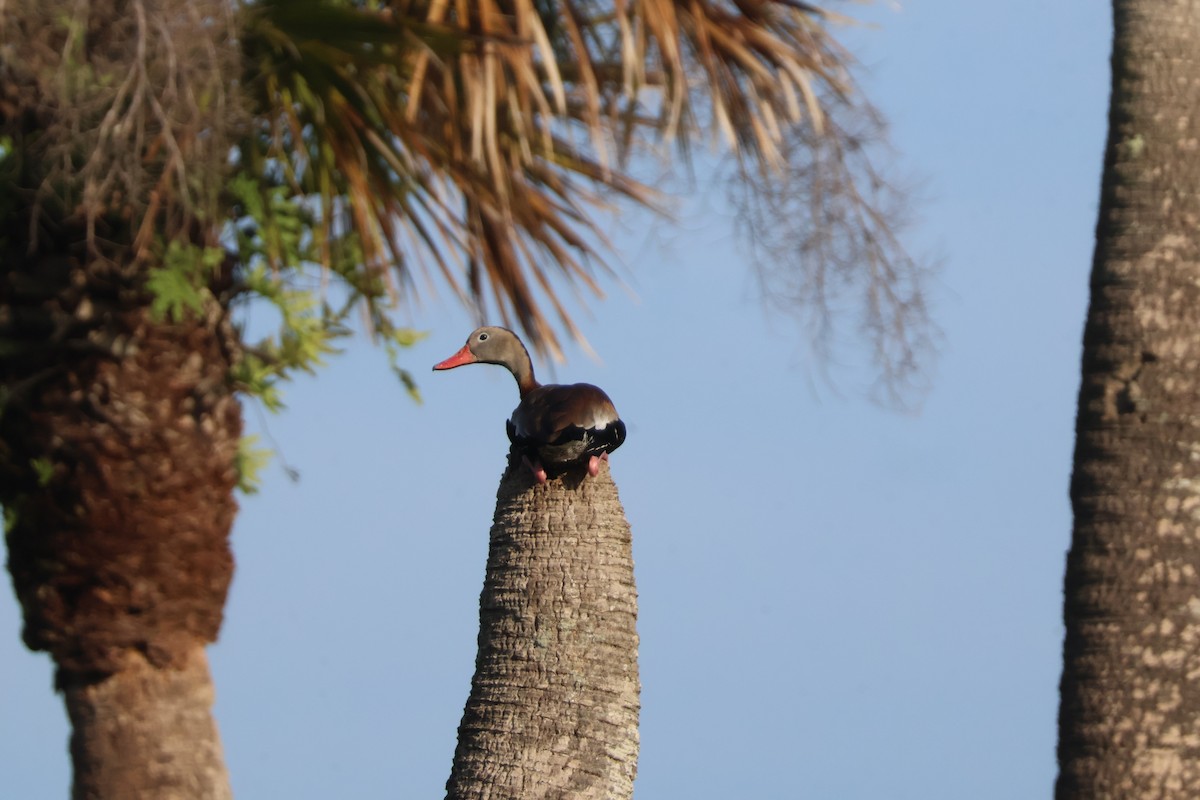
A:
(117, 471)
(147, 732)
(553, 710)
(1129, 720)
(118, 430)
(118, 538)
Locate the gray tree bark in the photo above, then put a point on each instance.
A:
(147, 733)
(1129, 720)
(553, 709)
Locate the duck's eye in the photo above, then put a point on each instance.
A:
(483, 337)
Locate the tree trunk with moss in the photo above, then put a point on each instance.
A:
(1129, 721)
(553, 710)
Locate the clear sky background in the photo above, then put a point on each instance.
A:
(837, 601)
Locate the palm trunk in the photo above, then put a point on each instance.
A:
(553, 709)
(1129, 721)
(147, 732)
(117, 471)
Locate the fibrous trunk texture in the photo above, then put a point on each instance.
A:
(118, 535)
(147, 732)
(1129, 720)
(119, 428)
(117, 470)
(553, 710)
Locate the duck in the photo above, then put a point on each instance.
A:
(555, 425)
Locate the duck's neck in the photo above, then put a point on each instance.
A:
(522, 369)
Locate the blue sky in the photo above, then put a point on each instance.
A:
(836, 601)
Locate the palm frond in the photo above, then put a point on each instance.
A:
(482, 137)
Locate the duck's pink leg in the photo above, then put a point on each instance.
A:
(594, 465)
(539, 472)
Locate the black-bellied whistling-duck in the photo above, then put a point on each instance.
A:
(555, 425)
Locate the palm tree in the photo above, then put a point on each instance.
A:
(164, 162)
(553, 710)
(1128, 717)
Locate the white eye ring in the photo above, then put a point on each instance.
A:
(483, 337)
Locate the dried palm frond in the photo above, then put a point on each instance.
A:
(475, 140)
(489, 132)
(825, 240)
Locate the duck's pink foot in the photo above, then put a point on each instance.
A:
(604, 456)
(539, 472)
(594, 466)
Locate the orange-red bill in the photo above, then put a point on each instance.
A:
(463, 356)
